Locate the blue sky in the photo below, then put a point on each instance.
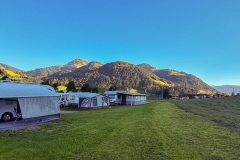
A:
(200, 37)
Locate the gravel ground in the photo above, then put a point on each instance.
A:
(65, 112)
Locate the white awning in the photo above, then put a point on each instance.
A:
(39, 106)
(20, 90)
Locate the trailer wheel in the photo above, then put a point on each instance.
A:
(7, 117)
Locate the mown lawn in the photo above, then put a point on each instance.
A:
(223, 111)
(157, 130)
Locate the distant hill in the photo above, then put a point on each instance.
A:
(90, 66)
(15, 74)
(147, 67)
(124, 75)
(68, 73)
(189, 82)
(4, 66)
(185, 80)
(44, 72)
(142, 78)
(228, 88)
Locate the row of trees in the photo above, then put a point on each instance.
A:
(72, 87)
(164, 93)
(85, 88)
(4, 78)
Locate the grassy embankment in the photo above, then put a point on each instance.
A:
(157, 130)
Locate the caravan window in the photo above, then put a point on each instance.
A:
(72, 98)
(111, 97)
(64, 97)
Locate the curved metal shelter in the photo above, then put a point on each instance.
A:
(20, 89)
(31, 101)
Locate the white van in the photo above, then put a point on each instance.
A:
(8, 110)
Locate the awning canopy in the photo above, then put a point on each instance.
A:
(20, 90)
(123, 92)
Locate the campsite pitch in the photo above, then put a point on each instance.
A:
(157, 130)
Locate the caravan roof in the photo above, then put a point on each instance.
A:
(110, 92)
(88, 94)
(124, 92)
(16, 90)
(84, 94)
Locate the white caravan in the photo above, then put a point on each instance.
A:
(73, 98)
(8, 110)
(27, 101)
(113, 96)
(63, 99)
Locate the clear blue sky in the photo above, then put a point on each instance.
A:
(200, 37)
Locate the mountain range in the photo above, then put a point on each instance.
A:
(125, 76)
(44, 72)
(228, 88)
(15, 74)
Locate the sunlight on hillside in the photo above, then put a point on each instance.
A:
(13, 74)
(162, 83)
(177, 73)
(61, 88)
(132, 90)
(201, 92)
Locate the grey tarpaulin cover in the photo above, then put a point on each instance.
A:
(38, 106)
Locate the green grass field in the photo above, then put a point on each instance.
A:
(157, 130)
(223, 111)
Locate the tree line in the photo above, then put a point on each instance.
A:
(85, 88)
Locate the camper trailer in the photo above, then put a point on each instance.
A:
(63, 99)
(125, 98)
(73, 98)
(113, 96)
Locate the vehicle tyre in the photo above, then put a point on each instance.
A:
(7, 117)
(61, 105)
